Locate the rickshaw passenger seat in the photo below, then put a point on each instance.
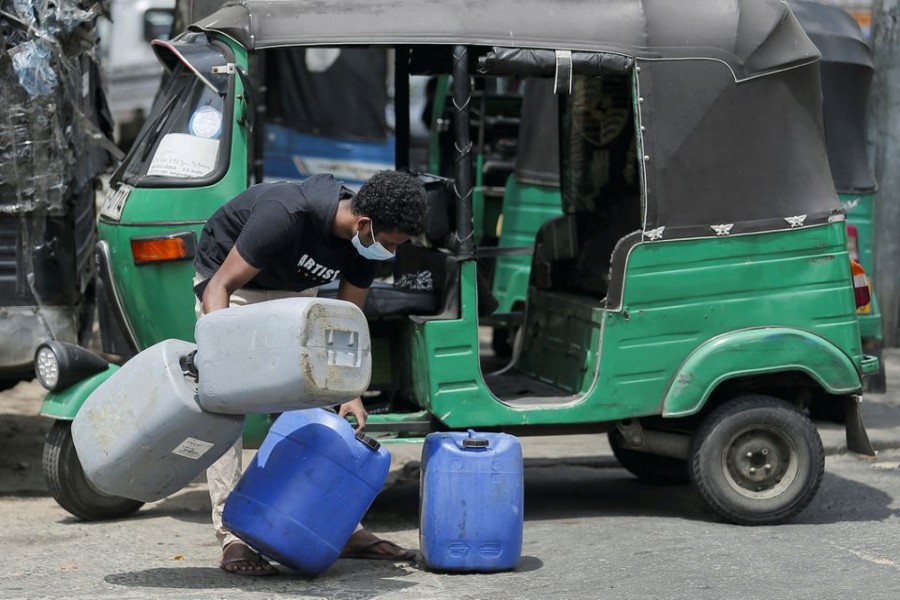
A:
(555, 248)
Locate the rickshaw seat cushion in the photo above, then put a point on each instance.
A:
(385, 299)
(418, 268)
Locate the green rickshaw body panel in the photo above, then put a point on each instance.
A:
(66, 403)
(861, 214)
(157, 298)
(678, 295)
(754, 352)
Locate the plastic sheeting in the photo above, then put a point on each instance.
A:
(52, 139)
(54, 144)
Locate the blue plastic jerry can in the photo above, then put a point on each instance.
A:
(472, 495)
(306, 489)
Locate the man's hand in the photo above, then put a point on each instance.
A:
(355, 408)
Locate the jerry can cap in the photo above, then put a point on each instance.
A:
(474, 442)
(369, 442)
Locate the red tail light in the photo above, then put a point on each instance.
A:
(860, 284)
(853, 242)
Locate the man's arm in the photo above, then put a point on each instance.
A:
(234, 273)
(350, 293)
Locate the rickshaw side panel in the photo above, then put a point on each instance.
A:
(679, 295)
(756, 352)
(157, 298)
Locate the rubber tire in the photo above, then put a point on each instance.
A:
(68, 484)
(649, 468)
(778, 417)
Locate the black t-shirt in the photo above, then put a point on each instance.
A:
(284, 229)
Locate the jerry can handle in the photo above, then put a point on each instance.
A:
(474, 442)
(369, 442)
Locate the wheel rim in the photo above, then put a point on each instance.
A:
(760, 462)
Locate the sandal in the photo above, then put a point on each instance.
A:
(239, 559)
(371, 551)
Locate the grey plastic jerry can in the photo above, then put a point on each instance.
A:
(142, 434)
(282, 355)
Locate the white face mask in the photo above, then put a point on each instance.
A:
(374, 252)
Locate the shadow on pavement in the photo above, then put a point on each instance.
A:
(843, 500)
(336, 584)
(574, 491)
(22, 444)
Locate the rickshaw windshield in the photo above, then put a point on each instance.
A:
(180, 143)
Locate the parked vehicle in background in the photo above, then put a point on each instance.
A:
(531, 197)
(847, 71)
(131, 72)
(53, 147)
(325, 112)
(691, 300)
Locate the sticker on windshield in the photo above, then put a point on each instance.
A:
(206, 122)
(185, 156)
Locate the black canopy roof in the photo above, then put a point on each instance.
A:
(729, 103)
(752, 37)
(847, 71)
(835, 33)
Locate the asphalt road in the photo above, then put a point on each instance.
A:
(591, 532)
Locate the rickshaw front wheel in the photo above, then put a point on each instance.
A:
(70, 488)
(757, 460)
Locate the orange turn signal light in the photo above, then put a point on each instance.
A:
(179, 246)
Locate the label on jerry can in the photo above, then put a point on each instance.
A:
(192, 448)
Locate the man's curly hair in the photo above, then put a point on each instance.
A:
(394, 200)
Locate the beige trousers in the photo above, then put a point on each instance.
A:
(223, 475)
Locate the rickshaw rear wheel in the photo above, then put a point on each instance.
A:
(757, 460)
(70, 488)
(649, 468)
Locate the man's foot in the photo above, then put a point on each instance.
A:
(239, 559)
(364, 544)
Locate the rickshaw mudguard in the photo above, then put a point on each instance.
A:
(65, 404)
(754, 352)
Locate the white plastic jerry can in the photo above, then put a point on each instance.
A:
(282, 355)
(142, 434)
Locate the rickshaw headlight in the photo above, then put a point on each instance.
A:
(46, 366)
(58, 365)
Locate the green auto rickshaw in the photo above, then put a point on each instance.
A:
(691, 300)
(847, 70)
